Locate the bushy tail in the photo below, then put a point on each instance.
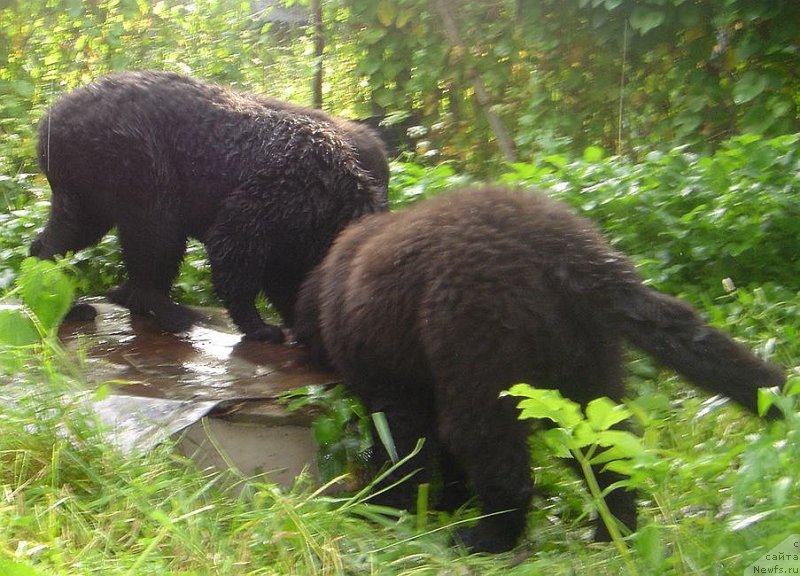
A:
(670, 331)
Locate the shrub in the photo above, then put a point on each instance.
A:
(691, 221)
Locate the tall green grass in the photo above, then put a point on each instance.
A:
(73, 504)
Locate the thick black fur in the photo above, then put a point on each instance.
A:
(369, 146)
(430, 313)
(265, 185)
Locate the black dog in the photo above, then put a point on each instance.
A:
(430, 313)
(266, 186)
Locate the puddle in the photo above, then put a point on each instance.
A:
(210, 362)
(164, 384)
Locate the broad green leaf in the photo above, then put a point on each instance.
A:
(559, 441)
(325, 431)
(16, 328)
(386, 13)
(404, 17)
(608, 455)
(765, 399)
(544, 403)
(687, 122)
(593, 154)
(558, 160)
(46, 291)
(385, 435)
(628, 444)
(374, 35)
(749, 86)
(645, 18)
(341, 411)
(759, 118)
(370, 65)
(583, 435)
(523, 390)
(792, 387)
(624, 467)
(12, 568)
(602, 413)
(650, 544)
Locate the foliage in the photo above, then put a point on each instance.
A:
(340, 428)
(694, 72)
(412, 182)
(46, 294)
(692, 221)
(47, 48)
(12, 568)
(631, 76)
(689, 221)
(589, 439)
(390, 58)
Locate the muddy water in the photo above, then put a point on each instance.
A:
(209, 362)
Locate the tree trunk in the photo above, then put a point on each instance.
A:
(319, 48)
(451, 30)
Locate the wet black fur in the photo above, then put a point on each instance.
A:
(265, 185)
(430, 313)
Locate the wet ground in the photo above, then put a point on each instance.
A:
(209, 362)
(218, 391)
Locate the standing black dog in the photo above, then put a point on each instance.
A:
(265, 185)
(430, 313)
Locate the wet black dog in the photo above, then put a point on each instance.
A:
(265, 185)
(430, 313)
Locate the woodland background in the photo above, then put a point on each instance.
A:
(475, 82)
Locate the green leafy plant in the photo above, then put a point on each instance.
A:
(761, 465)
(590, 439)
(30, 315)
(340, 428)
(784, 400)
(46, 293)
(12, 568)
(411, 182)
(690, 221)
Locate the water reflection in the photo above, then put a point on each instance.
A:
(209, 362)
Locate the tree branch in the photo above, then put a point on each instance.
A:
(451, 30)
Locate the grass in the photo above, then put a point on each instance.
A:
(723, 489)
